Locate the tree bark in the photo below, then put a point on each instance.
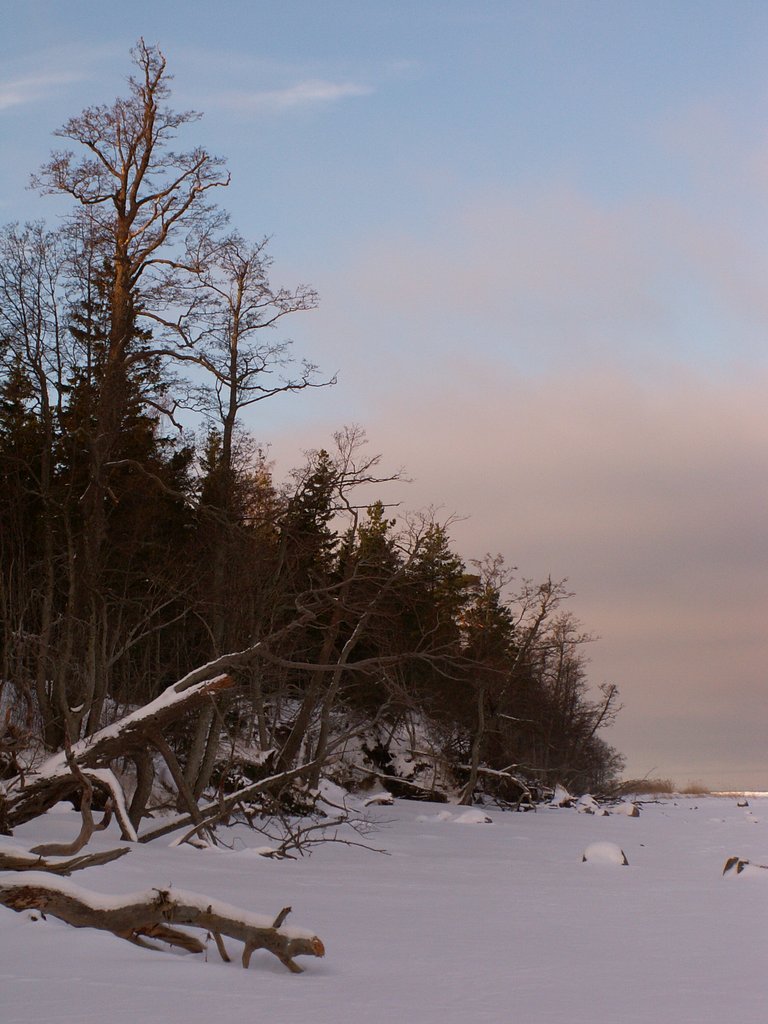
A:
(477, 740)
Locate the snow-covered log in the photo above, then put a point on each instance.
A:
(143, 916)
(130, 733)
(34, 792)
(88, 826)
(12, 859)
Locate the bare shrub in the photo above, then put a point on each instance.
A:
(695, 789)
(655, 787)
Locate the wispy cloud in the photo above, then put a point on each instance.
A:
(310, 92)
(17, 92)
(403, 68)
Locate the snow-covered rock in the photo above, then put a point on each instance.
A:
(561, 797)
(383, 798)
(472, 816)
(588, 805)
(604, 853)
(629, 809)
(440, 816)
(330, 793)
(735, 866)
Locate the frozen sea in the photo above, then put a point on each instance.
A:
(461, 921)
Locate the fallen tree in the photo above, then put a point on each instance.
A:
(29, 794)
(155, 915)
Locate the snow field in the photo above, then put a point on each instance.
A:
(481, 922)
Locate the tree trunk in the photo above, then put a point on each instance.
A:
(477, 740)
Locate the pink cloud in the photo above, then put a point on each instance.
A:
(537, 367)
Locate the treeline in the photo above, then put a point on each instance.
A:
(131, 551)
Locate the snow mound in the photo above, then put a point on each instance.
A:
(383, 798)
(472, 817)
(631, 810)
(440, 816)
(561, 797)
(62, 807)
(604, 853)
(333, 795)
(588, 805)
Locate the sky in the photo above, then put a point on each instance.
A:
(538, 231)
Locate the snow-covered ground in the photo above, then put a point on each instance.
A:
(464, 921)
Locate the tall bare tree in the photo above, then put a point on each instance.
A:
(135, 198)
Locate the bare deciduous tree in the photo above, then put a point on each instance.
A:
(135, 198)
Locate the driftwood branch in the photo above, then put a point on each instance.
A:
(88, 826)
(214, 811)
(39, 793)
(164, 748)
(12, 859)
(156, 914)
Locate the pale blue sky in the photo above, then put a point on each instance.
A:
(425, 103)
(538, 231)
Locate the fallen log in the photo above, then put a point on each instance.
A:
(130, 733)
(88, 826)
(12, 859)
(31, 794)
(138, 917)
(38, 793)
